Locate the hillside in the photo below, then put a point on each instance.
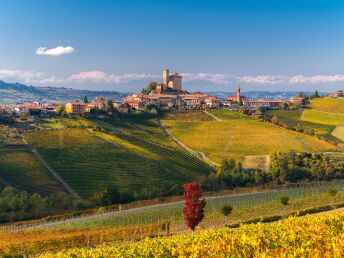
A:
(132, 155)
(323, 116)
(11, 93)
(237, 136)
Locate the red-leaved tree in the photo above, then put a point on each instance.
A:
(193, 210)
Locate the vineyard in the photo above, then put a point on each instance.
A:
(28, 174)
(237, 138)
(129, 155)
(245, 206)
(310, 236)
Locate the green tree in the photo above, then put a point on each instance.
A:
(86, 100)
(315, 95)
(150, 86)
(284, 201)
(226, 210)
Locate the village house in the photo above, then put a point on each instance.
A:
(298, 101)
(212, 102)
(76, 108)
(337, 94)
(263, 103)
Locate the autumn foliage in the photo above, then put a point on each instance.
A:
(193, 210)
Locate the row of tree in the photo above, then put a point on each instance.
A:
(284, 167)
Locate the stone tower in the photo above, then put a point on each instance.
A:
(165, 77)
(238, 94)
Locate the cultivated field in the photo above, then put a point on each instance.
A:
(245, 206)
(20, 169)
(186, 115)
(310, 236)
(237, 138)
(317, 117)
(331, 105)
(130, 155)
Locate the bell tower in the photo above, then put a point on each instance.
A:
(165, 77)
(238, 94)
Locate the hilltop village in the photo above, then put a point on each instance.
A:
(168, 94)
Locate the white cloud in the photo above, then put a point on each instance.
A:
(39, 78)
(57, 51)
(216, 78)
(98, 76)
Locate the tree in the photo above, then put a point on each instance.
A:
(315, 95)
(86, 100)
(226, 210)
(150, 86)
(59, 109)
(284, 201)
(193, 210)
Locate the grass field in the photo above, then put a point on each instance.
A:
(331, 105)
(133, 155)
(20, 169)
(237, 138)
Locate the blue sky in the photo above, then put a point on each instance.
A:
(216, 45)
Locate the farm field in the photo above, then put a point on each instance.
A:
(28, 174)
(224, 114)
(294, 119)
(331, 105)
(131, 156)
(338, 132)
(286, 238)
(238, 138)
(186, 115)
(245, 206)
(317, 117)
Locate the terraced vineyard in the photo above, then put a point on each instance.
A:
(237, 137)
(131, 156)
(20, 169)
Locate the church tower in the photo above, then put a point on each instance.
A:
(238, 94)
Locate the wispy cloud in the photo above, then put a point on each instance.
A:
(217, 78)
(57, 51)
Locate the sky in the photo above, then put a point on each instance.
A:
(215, 44)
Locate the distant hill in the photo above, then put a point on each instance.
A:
(16, 92)
(262, 94)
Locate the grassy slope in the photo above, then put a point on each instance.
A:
(20, 169)
(322, 118)
(331, 105)
(141, 159)
(238, 137)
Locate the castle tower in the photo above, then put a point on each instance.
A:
(165, 77)
(238, 94)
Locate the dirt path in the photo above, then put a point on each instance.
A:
(53, 172)
(216, 118)
(203, 156)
